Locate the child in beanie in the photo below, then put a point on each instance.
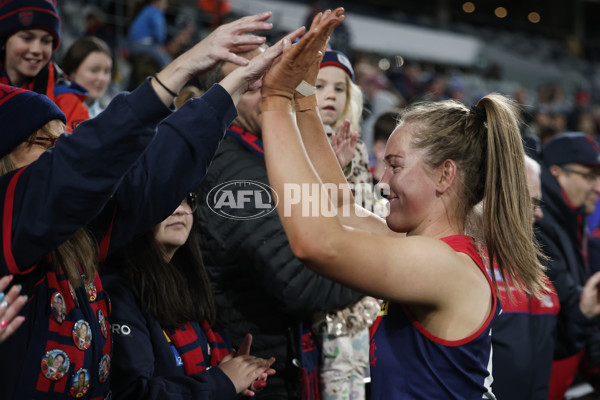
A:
(29, 34)
(344, 334)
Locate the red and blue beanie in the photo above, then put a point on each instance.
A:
(16, 15)
(23, 112)
(337, 59)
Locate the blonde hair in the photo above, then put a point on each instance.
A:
(486, 138)
(78, 251)
(354, 106)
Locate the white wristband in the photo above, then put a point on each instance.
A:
(306, 89)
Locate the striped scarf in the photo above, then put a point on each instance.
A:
(190, 343)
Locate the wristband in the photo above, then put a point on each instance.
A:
(305, 103)
(306, 89)
(275, 103)
(172, 93)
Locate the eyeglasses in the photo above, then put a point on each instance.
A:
(192, 200)
(590, 176)
(43, 141)
(536, 203)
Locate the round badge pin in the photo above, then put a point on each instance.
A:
(82, 335)
(58, 308)
(80, 383)
(55, 364)
(103, 323)
(104, 368)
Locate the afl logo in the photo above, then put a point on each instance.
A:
(242, 199)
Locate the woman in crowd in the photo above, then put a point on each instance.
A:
(432, 339)
(29, 34)
(116, 172)
(88, 62)
(175, 341)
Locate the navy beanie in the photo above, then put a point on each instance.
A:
(337, 59)
(16, 15)
(571, 147)
(22, 112)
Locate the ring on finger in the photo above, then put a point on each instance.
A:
(4, 304)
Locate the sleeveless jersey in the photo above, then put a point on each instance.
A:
(408, 362)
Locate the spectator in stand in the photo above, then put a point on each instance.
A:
(379, 96)
(340, 100)
(88, 63)
(260, 287)
(176, 347)
(148, 34)
(581, 107)
(29, 34)
(405, 78)
(570, 175)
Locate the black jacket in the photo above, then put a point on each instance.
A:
(562, 236)
(259, 285)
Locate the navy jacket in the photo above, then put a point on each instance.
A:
(111, 157)
(561, 235)
(144, 364)
(523, 344)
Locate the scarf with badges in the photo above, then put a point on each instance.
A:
(190, 344)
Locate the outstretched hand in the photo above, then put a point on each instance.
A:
(250, 77)
(344, 143)
(298, 59)
(225, 41)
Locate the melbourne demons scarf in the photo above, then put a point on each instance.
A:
(191, 342)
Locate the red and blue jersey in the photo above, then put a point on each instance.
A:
(523, 342)
(409, 362)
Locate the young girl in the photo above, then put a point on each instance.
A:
(29, 34)
(88, 63)
(344, 334)
(114, 172)
(339, 99)
(432, 340)
(161, 293)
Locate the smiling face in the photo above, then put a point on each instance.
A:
(173, 232)
(578, 182)
(27, 52)
(94, 74)
(411, 184)
(58, 361)
(332, 93)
